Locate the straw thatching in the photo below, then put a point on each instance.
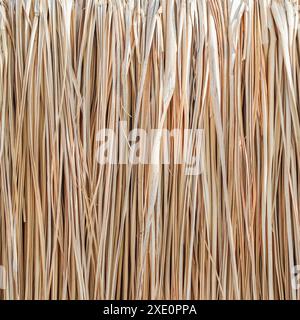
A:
(71, 228)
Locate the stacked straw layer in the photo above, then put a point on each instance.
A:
(72, 228)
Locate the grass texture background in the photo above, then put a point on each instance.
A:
(71, 228)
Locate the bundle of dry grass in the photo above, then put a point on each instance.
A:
(72, 228)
